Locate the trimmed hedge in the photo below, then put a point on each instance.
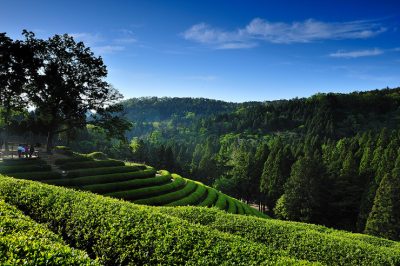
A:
(97, 155)
(91, 164)
(130, 184)
(212, 196)
(139, 165)
(21, 161)
(121, 233)
(231, 208)
(170, 197)
(139, 193)
(300, 240)
(239, 207)
(24, 168)
(101, 171)
(25, 242)
(63, 150)
(221, 202)
(100, 179)
(191, 199)
(37, 176)
(74, 159)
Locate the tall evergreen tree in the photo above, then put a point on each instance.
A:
(302, 198)
(384, 219)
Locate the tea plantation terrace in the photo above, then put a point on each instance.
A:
(41, 224)
(133, 182)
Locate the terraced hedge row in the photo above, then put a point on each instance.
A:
(101, 171)
(166, 198)
(192, 199)
(91, 164)
(121, 233)
(100, 179)
(212, 196)
(129, 181)
(74, 159)
(37, 176)
(162, 179)
(302, 241)
(21, 161)
(25, 242)
(147, 192)
(7, 169)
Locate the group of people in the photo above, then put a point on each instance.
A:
(24, 150)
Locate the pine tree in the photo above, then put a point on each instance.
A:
(384, 219)
(302, 198)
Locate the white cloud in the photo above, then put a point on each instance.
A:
(107, 49)
(358, 53)
(89, 39)
(280, 32)
(127, 40)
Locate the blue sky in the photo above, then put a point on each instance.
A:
(229, 50)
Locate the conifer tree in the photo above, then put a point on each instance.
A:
(384, 219)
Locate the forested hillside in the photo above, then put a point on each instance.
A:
(335, 152)
(331, 159)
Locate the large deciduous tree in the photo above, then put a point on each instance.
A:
(14, 60)
(68, 87)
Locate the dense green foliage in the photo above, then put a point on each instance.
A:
(384, 219)
(132, 182)
(25, 242)
(91, 164)
(247, 150)
(24, 168)
(100, 179)
(120, 233)
(162, 179)
(304, 241)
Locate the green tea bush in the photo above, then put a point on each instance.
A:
(100, 179)
(73, 159)
(24, 168)
(25, 242)
(91, 164)
(147, 192)
(97, 155)
(221, 202)
(169, 197)
(37, 176)
(212, 196)
(298, 239)
(191, 199)
(21, 161)
(239, 207)
(164, 178)
(63, 150)
(231, 205)
(101, 171)
(121, 233)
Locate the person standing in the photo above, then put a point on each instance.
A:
(31, 151)
(20, 150)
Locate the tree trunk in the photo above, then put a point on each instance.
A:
(49, 146)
